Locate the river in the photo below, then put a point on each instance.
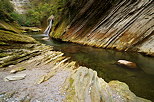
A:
(140, 80)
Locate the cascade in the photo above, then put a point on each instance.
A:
(48, 29)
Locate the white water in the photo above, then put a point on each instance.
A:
(48, 29)
(21, 6)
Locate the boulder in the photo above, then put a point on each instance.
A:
(14, 77)
(85, 86)
(126, 63)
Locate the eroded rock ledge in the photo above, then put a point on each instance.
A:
(117, 24)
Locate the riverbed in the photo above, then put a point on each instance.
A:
(140, 80)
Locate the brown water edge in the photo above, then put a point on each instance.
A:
(140, 80)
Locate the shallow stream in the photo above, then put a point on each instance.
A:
(140, 80)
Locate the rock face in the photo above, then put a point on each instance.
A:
(21, 6)
(85, 86)
(117, 24)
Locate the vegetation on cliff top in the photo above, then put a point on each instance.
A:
(39, 12)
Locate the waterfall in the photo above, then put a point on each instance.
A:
(48, 29)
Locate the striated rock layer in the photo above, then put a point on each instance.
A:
(117, 24)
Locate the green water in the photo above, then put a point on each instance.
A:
(140, 80)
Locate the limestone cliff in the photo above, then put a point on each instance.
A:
(21, 6)
(126, 25)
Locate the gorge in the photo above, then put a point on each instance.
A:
(61, 68)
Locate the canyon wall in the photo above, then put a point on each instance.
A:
(126, 25)
(21, 6)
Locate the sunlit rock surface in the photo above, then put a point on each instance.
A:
(120, 24)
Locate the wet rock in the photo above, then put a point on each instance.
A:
(15, 77)
(126, 63)
(17, 70)
(85, 86)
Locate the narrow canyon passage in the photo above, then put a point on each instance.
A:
(76, 51)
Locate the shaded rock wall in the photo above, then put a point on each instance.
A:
(122, 24)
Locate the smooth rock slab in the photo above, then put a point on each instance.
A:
(15, 77)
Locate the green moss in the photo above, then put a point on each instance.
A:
(13, 27)
(3, 54)
(10, 37)
(3, 43)
(59, 31)
(70, 97)
(71, 92)
(71, 81)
